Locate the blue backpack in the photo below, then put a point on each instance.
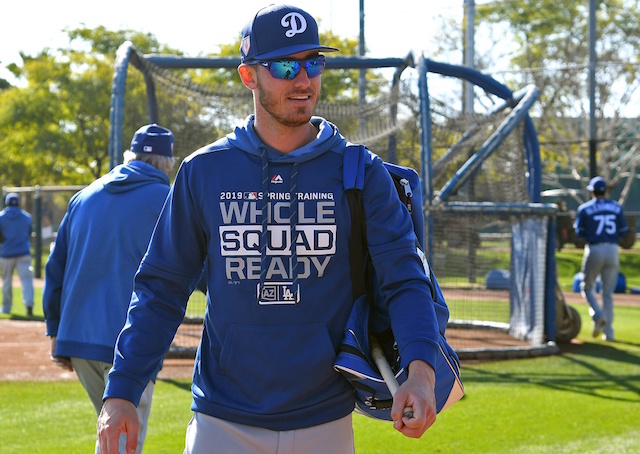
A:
(369, 322)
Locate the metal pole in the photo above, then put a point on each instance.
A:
(426, 152)
(468, 111)
(593, 170)
(37, 246)
(469, 53)
(362, 73)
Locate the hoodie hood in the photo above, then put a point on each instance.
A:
(127, 177)
(245, 138)
(13, 212)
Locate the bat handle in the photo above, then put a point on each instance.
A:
(387, 373)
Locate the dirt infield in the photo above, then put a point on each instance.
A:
(25, 355)
(25, 352)
(25, 348)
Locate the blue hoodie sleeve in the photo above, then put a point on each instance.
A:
(167, 275)
(54, 278)
(401, 277)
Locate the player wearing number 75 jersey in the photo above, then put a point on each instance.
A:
(601, 222)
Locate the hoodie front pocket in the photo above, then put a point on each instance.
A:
(277, 368)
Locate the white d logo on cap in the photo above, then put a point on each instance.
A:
(296, 22)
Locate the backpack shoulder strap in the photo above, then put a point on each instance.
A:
(353, 167)
(353, 181)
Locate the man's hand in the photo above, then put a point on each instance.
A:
(117, 416)
(59, 361)
(418, 392)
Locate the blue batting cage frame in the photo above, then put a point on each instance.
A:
(519, 102)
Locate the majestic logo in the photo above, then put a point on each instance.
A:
(276, 179)
(295, 22)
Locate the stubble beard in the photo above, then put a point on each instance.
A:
(291, 118)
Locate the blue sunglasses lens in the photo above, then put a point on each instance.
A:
(289, 69)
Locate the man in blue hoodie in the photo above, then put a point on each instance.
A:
(15, 252)
(98, 248)
(265, 210)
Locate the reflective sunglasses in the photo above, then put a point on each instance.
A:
(289, 69)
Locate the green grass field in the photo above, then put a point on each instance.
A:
(569, 260)
(584, 400)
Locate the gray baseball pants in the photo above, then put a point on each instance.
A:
(209, 435)
(601, 259)
(25, 273)
(94, 376)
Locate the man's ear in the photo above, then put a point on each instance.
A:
(248, 76)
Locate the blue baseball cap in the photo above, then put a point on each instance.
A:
(12, 200)
(278, 31)
(597, 185)
(153, 139)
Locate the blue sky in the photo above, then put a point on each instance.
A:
(195, 27)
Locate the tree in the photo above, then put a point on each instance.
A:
(55, 130)
(551, 51)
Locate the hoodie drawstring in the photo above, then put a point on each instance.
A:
(265, 223)
(293, 217)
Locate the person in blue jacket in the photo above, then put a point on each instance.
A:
(15, 252)
(265, 209)
(98, 248)
(601, 223)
